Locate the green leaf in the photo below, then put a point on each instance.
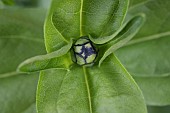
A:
(113, 26)
(8, 2)
(20, 36)
(127, 33)
(54, 40)
(147, 56)
(103, 40)
(155, 89)
(18, 93)
(158, 109)
(151, 57)
(102, 18)
(104, 89)
(150, 47)
(1, 5)
(49, 61)
(80, 89)
(134, 3)
(56, 59)
(72, 19)
(44, 3)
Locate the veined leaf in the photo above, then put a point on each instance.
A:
(54, 40)
(112, 27)
(127, 33)
(147, 56)
(20, 36)
(102, 18)
(72, 19)
(134, 3)
(150, 47)
(60, 18)
(105, 89)
(152, 58)
(18, 93)
(155, 89)
(56, 59)
(80, 89)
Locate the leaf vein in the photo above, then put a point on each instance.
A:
(81, 18)
(88, 89)
(148, 38)
(22, 37)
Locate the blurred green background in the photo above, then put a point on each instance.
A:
(27, 3)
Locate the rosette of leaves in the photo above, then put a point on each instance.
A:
(105, 87)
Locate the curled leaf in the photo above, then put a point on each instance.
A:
(113, 26)
(129, 31)
(56, 59)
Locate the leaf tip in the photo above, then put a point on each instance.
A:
(21, 66)
(142, 17)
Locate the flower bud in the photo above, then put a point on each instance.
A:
(84, 51)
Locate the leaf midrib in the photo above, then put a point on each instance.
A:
(137, 5)
(22, 37)
(88, 89)
(148, 38)
(84, 68)
(9, 74)
(81, 18)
